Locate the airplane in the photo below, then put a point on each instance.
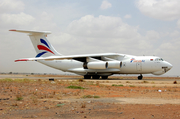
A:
(93, 65)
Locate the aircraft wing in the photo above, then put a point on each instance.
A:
(72, 57)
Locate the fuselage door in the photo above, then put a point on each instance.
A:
(138, 66)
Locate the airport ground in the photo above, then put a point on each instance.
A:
(124, 97)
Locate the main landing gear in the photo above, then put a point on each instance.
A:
(87, 76)
(95, 77)
(104, 77)
(140, 77)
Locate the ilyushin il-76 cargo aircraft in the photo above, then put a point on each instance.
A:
(93, 65)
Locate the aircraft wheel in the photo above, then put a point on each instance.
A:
(95, 77)
(104, 77)
(87, 76)
(140, 77)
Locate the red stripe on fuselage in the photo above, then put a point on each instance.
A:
(41, 47)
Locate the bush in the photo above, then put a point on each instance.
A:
(116, 85)
(145, 82)
(90, 96)
(59, 105)
(80, 80)
(19, 97)
(96, 96)
(75, 87)
(131, 86)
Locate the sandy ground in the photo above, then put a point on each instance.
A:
(34, 96)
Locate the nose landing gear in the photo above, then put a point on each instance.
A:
(140, 77)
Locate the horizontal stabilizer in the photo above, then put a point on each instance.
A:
(21, 60)
(31, 32)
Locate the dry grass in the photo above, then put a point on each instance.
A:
(97, 83)
(83, 105)
(19, 97)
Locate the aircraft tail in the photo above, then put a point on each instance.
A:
(40, 43)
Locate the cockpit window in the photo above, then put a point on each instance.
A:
(159, 59)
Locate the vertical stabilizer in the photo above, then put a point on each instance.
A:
(41, 45)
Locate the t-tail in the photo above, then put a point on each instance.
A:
(41, 45)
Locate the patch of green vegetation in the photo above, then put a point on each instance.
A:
(6, 80)
(75, 87)
(145, 82)
(22, 80)
(152, 82)
(90, 96)
(131, 86)
(80, 80)
(116, 85)
(19, 97)
(15, 80)
(59, 105)
(96, 96)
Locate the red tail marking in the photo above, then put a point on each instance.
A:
(41, 47)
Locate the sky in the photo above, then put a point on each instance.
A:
(135, 27)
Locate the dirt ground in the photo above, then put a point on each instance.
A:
(34, 96)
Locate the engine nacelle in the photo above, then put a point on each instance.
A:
(114, 64)
(95, 65)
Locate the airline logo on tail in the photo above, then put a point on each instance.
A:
(42, 47)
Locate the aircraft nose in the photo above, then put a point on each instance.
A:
(167, 66)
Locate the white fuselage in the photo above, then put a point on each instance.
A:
(130, 65)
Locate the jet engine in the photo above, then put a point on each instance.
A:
(95, 65)
(103, 65)
(114, 64)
